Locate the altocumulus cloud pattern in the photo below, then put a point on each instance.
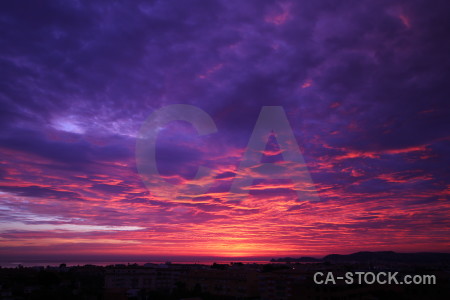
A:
(364, 85)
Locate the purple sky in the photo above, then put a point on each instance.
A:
(364, 84)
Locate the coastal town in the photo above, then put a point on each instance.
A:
(276, 280)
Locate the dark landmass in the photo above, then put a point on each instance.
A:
(390, 256)
(277, 280)
(379, 257)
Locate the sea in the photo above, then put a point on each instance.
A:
(45, 263)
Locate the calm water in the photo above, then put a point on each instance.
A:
(14, 264)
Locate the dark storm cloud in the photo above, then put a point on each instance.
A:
(75, 153)
(225, 175)
(147, 201)
(33, 142)
(425, 201)
(40, 192)
(398, 81)
(110, 189)
(173, 159)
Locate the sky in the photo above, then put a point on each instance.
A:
(315, 127)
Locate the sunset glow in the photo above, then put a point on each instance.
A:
(366, 100)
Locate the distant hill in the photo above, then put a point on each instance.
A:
(390, 256)
(382, 256)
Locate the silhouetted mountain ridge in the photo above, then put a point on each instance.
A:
(390, 256)
(380, 256)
